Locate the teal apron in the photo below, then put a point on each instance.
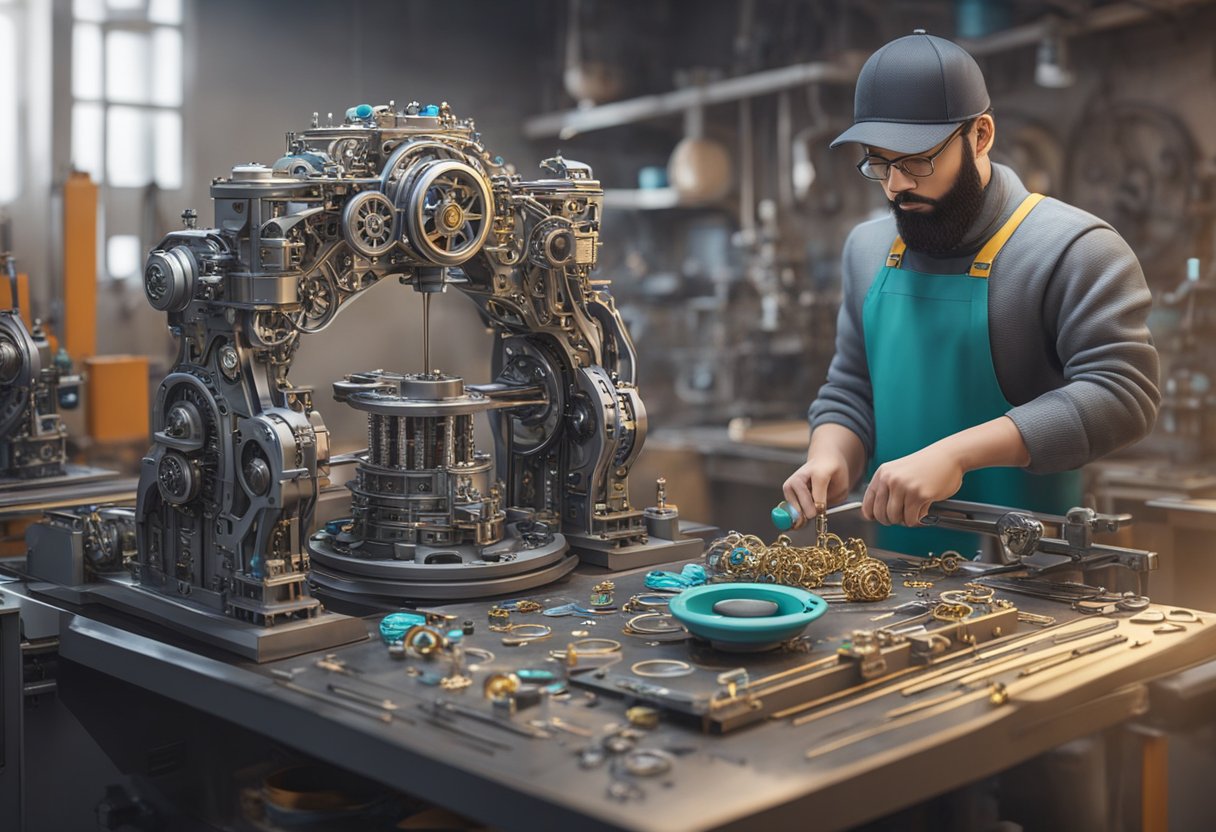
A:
(932, 375)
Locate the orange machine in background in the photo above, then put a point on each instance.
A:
(23, 297)
(79, 330)
(116, 386)
(116, 398)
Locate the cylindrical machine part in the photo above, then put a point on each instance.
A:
(423, 482)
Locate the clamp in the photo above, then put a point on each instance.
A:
(1021, 535)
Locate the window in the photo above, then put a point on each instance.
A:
(126, 119)
(10, 124)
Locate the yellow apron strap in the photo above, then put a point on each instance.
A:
(982, 266)
(896, 255)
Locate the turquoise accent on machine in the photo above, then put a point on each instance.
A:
(796, 608)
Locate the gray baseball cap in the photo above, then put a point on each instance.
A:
(913, 93)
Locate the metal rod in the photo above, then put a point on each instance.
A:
(440, 706)
(426, 332)
(363, 710)
(572, 122)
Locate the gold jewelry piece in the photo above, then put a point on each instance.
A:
(638, 603)
(457, 681)
(642, 716)
(594, 646)
(951, 612)
(948, 562)
(1035, 618)
(632, 627)
(867, 580)
(664, 668)
(918, 584)
(500, 619)
(601, 594)
(499, 687)
(424, 640)
(979, 594)
(524, 633)
(745, 557)
(527, 607)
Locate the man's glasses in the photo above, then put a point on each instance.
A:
(879, 169)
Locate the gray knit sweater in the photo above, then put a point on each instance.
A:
(1067, 304)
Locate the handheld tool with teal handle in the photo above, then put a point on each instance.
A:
(785, 515)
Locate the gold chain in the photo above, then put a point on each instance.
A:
(745, 557)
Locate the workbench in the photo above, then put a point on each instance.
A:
(137, 684)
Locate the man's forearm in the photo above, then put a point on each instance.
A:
(993, 444)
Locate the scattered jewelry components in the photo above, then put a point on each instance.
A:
(521, 634)
(481, 656)
(456, 681)
(499, 687)
(648, 762)
(647, 602)
(661, 668)
(601, 595)
(653, 624)
(867, 580)
(425, 641)
(500, 619)
(745, 557)
(641, 716)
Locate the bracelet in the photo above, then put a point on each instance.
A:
(645, 602)
(482, 655)
(664, 668)
(669, 625)
(538, 632)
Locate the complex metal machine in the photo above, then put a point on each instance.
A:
(228, 489)
(33, 438)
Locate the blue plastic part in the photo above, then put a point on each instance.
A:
(363, 111)
(534, 674)
(796, 608)
(350, 114)
(333, 527)
(784, 516)
(455, 635)
(693, 574)
(394, 625)
(429, 110)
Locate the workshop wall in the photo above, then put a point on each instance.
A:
(256, 70)
(261, 69)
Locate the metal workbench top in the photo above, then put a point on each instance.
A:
(759, 776)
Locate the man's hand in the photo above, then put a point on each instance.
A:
(901, 490)
(820, 481)
(833, 461)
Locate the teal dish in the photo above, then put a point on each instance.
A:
(796, 608)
